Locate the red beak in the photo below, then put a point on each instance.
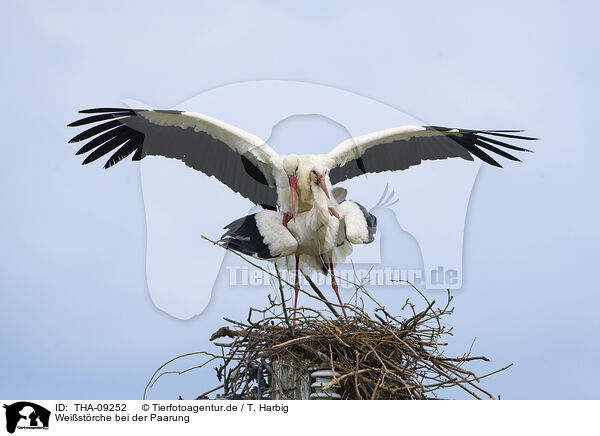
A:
(323, 185)
(293, 186)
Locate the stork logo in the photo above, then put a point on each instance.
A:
(26, 415)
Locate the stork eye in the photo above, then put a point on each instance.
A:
(315, 173)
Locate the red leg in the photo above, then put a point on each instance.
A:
(335, 287)
(296, 290)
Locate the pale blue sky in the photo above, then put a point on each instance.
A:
(74, 309)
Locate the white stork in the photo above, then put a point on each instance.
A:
(252, 168)
(316, 238)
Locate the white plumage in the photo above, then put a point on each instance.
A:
(277, 237)
(315, 240)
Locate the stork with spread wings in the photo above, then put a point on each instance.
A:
(249, 166)
(291, 183)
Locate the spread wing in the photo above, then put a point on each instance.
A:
(240, 160)
(402, 147)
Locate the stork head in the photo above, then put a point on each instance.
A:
(317, 176)
(290, 166)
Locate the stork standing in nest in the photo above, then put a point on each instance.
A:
(314, 240)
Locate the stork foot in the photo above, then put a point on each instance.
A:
(334, 212)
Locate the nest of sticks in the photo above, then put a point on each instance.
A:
(376, 354)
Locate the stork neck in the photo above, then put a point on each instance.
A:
(320, 199)
(319, 213)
